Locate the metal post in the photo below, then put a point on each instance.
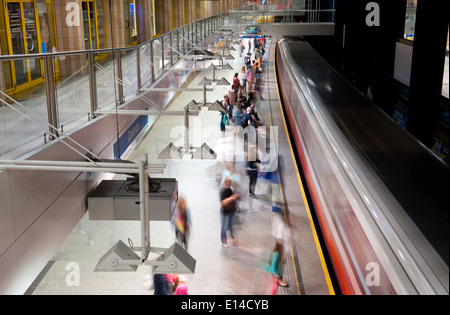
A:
(202, 35)
(194, 33)
(92, 85)
(143, 196)
(186, 36)
(309, 19)
(178, 42)
(186, 129)
(171, 49)
(204, 94)
(318, 12)
(50, 91)
(162, 53)
(119, 78)
(47, 92)
(138, 70)
(184, 41)
(147, 206)
(209, 26)
(54, 100)
(152, 63)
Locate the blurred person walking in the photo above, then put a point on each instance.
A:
(182, 222)
(232, 96)
(161, 284)
(227, 210)
(180, 287)
(250, 75)
(257, 85)
(228, 105)
(243, 78)
(275, 267)
(236, 81)
(181, 290)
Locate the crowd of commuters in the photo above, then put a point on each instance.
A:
(239, 111)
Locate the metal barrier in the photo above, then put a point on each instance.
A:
(95, 83)
(306, 11)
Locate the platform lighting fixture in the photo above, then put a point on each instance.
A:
(193, 108)
(223, 81)
(205, 81)
(188, 151)
(172, 260)
(214, 67)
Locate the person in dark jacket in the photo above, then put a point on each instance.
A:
(227, 210)
(252, 169)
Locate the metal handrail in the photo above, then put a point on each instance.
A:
(237, 14)
(279, 11)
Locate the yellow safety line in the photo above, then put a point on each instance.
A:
(316, 239)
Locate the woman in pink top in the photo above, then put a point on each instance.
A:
(181, 289)
(249, 78)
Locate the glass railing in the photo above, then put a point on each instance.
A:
(281, 17)
(306, 11)
(42, 113)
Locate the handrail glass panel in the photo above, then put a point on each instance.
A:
(72, 92)
(16, 128)
(129, 74)
(145, 65)
(105, 76)
(157, 57)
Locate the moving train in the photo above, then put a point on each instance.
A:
(381, 198)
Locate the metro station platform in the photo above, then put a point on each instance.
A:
(236, 270)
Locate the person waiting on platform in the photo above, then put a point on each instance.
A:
(232, 96)
(252, 169)
(227, 210)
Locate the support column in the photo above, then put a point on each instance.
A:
(365, 54)
(432, 22)
(50, 91)
(144, 20)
